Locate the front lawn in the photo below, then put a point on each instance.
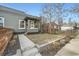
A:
(44, 37)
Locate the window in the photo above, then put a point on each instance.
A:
(1, 22)
(21, 24)
(32, 24)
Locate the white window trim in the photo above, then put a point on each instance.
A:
(19, 24)
(3, 20)
(32, 24)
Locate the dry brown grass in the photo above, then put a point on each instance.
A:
(44, 38)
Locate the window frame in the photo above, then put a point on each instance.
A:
(20, 23)
(32, 24)
(3, 19)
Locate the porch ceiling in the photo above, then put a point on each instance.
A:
(32, 18)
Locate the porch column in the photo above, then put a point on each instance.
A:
(28, 24)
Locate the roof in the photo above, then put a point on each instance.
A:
(67, 25)
(31, 17)
(3, 8)
(53, 23)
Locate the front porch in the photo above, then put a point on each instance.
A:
(32, 30)
(32, 24)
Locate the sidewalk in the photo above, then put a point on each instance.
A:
(27, 46)
(70, 49)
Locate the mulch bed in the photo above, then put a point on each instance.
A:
(5, 36)
(52, 48)
(12, 47)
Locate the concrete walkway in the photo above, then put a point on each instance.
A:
(27, 46)
(70, 49)
(18, 53)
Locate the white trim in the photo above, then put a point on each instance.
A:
(19, 24)
(3, 20)
(32, 25)
(32, 28)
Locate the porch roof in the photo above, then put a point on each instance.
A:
(32, 17)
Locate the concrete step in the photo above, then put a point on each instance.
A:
(31, 52)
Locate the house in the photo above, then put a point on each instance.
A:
(50, 27)
(67, 27)
(19, 21)
(32, 23)
(53, 27)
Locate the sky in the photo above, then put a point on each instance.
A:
(35, 9)
(30, 8)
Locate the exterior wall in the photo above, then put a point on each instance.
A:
(66, 28)
(12, 17)
(12, 20)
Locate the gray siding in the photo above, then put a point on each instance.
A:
(12, 20)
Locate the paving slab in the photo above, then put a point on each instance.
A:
(25, 42)
(30, 52)
(27, 46)
(18, 53)
(70, 49)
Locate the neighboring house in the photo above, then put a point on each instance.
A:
(53, 27)
(50, 27)
(18, 20)
(67, 27)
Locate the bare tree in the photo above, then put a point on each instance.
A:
(47, 15)
(59, 13)
(53, 12)
(75, 10)
(70, 22)
(47, 12)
